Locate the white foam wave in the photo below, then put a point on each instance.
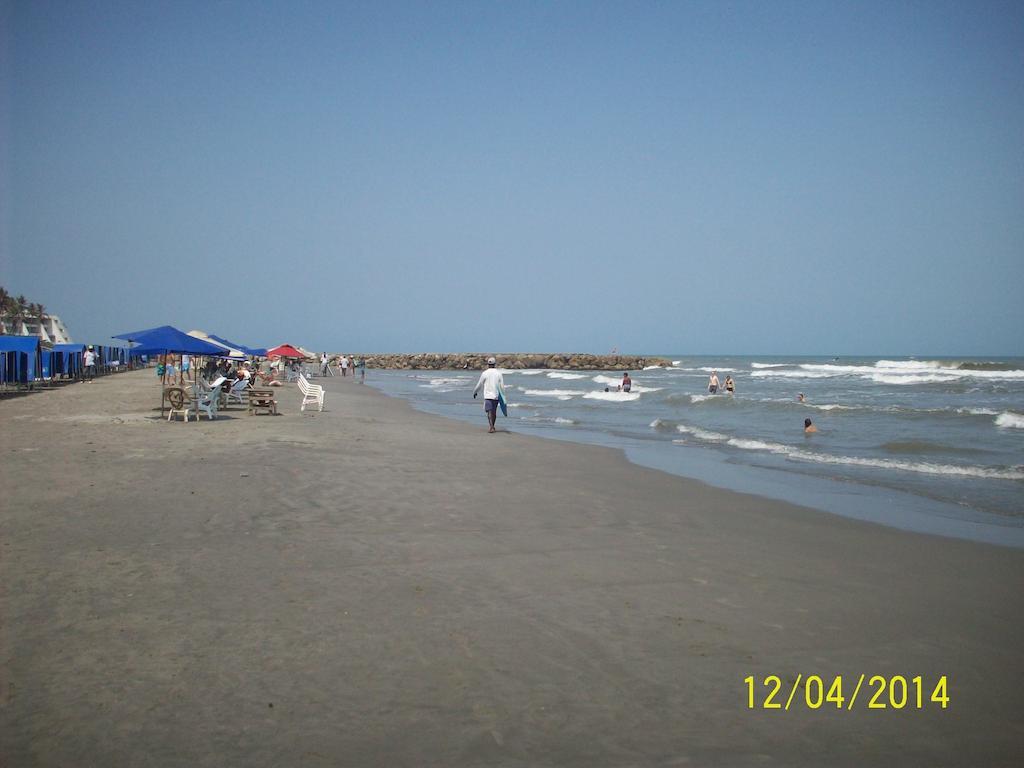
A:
(701, 398)
(702, 434)
(790, 374)
(677, 362)
(615, 397)
(641, 390)
(799, 454)
(890, 372)
(899, 380)
(554, 392)
(978, 411)
(528, 373)
(563, 375)
(652, 368)
(602, 379)
(719, 370)
(913, 364)
(769, 365)
(560, 420)
(1010, 419)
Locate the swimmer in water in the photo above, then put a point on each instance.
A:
(627, 383)
(713, 382)
(800, 397)
(809, 427)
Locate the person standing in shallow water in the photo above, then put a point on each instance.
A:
(730, 385)
(627, 383)
(713, 382)
(492, 383)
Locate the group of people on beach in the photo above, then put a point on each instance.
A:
(493, 383)
(730, 385)
(358, 366)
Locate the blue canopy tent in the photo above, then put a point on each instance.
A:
(21, 360)
(166, 339)
(66, 360)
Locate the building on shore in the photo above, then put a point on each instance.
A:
(48, 328)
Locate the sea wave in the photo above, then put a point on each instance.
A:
(702, 434)
(652, 368)
(1010, 419)
(802, 374)
(770, 365)
(564, 375)
(663, 425)
(800, 454)
(933, 378)
(602, 379)
(676, 362)
(615, 397)
(895, 372)
(554, 392)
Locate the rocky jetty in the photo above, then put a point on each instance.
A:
(518, 361)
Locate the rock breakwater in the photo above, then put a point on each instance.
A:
(561, 361)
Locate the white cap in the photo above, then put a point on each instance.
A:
(491, 361)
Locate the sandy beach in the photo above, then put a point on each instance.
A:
(374, 586)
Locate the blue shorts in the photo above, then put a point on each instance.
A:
(490, 404)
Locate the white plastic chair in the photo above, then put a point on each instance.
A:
(312, 394)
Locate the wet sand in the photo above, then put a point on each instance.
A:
(376, 586)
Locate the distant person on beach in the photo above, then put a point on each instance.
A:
(324, 362)
(89, 364)
(730, 385)
(713, 382)
(492, 382)
(361, 365)
(809, 427)
(344, 365)
(627, 383)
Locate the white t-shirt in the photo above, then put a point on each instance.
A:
(491, 380)
(89, 358)
(344, 361)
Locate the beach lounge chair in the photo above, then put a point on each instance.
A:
(312, 394)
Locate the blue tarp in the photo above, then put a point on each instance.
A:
(169, 339)
(66, 359)
(20, 359)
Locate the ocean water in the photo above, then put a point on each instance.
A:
(929, 445)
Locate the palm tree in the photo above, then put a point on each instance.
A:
(21, 305)
(41, 312)
(5, 300)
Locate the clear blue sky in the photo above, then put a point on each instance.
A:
(702, 177)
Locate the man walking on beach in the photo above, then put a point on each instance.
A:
(88, 364)
(492, 382)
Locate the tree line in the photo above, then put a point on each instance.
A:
(19, 307)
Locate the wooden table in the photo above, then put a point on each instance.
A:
(262, 399)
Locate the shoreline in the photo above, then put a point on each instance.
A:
(865, 502)
(405, 589)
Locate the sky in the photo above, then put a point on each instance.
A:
(682, 177)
